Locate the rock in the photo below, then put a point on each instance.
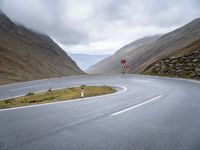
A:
(179, 70)
(173, 57)
(157, 69)
(196, 52)
(166, 60)
(170, 65)
(188, 68)
(187, 60)
(178, 64)
(195, 60)
(193, 74)
(190, 64)
(157, 65)
(173, 61)
(163, 67)
(197, 70)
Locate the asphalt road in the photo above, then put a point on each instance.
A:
(148, 113)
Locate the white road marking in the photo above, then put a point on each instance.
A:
(135, 106)
(172, 78)
(59, 102)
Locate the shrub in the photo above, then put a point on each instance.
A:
(29, 94)
(8, 101)
(49, 90)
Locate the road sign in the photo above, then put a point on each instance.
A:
(123, 61)
(126, 68)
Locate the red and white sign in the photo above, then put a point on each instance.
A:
(123, 61)
(126, 67)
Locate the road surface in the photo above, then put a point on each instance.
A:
(148, 113)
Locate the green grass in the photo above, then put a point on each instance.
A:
(55, 95)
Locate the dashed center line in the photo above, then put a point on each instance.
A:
(135, 106)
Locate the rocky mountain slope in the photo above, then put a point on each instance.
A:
(184, 63)
(142, 56)
(27, 55)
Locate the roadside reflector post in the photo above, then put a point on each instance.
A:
(82, 92)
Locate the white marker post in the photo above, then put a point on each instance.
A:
(82, 92)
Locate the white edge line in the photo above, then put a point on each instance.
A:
(172, 78)
(135, 106)
(60, 102)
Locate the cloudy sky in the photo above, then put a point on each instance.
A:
(100, 26)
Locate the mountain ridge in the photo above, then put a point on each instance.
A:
(119, 54)
(29, 55)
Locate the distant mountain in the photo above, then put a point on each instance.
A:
(140, 57)
(27, 55)
(84, 61)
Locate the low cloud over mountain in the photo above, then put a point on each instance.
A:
(100, 25)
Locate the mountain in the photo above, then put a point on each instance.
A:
(112, 64)
(140, 57)
(84, 61)
(28, 55)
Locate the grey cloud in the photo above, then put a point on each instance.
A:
(69, 23)
(47, 18)
(153, 12)
(115, 9)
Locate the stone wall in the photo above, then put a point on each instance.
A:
(186, 65)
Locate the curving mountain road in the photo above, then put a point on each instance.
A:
(148, 113)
